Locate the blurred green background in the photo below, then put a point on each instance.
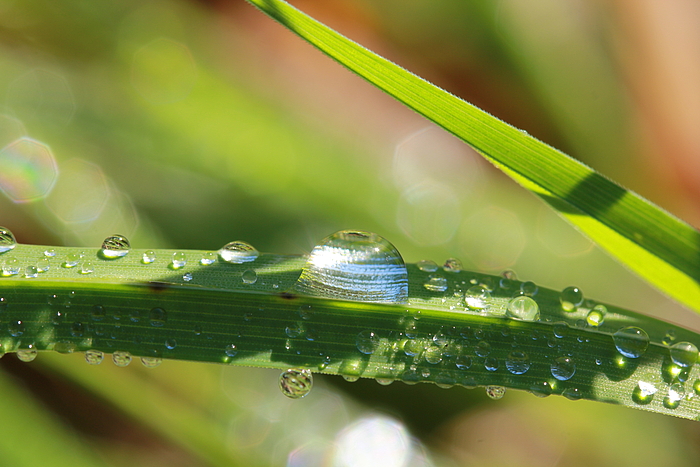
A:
(192, 124)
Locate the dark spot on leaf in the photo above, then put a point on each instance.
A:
(287, 295)
(156, 286)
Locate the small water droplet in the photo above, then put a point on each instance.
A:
(208, 258)
(115, 246)
(151, 362)
(495, 392)
(596, 316)
(238, 252)
(16, 328)
(412, 347)
(187, 277)
(433, 355)
(121, 358)
(77, 329)
(491, 364)
(560, 330)
(7, 240)
(231, 350)
(463, 362)
(87, 268)
(669, 337)
(158, 317)
(563, 368)
(27, 355)
(296, 384)
(98, 312)
(436, 284)
(482, 349)
(72, 260)
(477, 297)
(542, 389)
(10, 267)
(249, 277)
(366, 342)
(427, 266)
(684, 354)
(644, 392)
(50, 253)
(523, 308)
(179, 260)
(675, 395)
(148, 257)
(306, 311)
(452, 265)
(42, 265)
(528, 288)
(170, 344)
(294, 331)
(518, 362)
(573, 394)
(94, 357)
(355, 265)
(571, 298)
(631, 341)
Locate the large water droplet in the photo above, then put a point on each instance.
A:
(482, 349)
(31, 271)
(570, 298)
(563, 368)
(477, 297)
(518, 363)
(27, 355)
(238, 252)
(296, 384)
(7, 240)
(115, 246)
(208, 258)
(367, 342)
(684, 354)
(121, 358)
(94, 357)
(631, 341)
(542, 389)
(433, 355)
(355, 265)
(524, 308)
(596, 316)
(495, 392)
(249, 277)
(412, 347)
(644, 392)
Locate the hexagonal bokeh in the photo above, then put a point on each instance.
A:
(28, 170)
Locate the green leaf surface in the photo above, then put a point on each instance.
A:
(659, 247)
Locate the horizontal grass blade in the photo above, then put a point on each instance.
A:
(656, 245)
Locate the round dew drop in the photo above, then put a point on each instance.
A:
(675, 395)
(571, 298)
(433, 355)
(563, 368)
(596, 316)
(121, 358)
(7, 240)
(436, 284)
(179, 260)
(27, 355)
(295, 384)
(477, 297)
(249, 277)
(238, 252)
(148, 257)
(94, 357)
(151, 362)
(72, 260)
(518, 363)
(452, 265)
(631, 341)
(644, 392)
(10, 267)
(367, 342)
(523, 308)
(115, 246)
(208, 258)
(427, 265)
(495, 392)
(684, 354)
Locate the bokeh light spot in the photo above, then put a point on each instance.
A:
(493, 238)
(80, 194)
(373, 441)
(11, 129)
(429, 213)
(27, 170)
(42, 94)
(163, 71)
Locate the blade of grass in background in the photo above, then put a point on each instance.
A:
(659, 247)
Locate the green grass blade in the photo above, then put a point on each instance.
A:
(659, 247)
(454, 329)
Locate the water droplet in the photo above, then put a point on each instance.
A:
(669, 337)
(675, 395)
(98, 312)
(482, 349)
(433, 355)
(427, 266)
(354, 265)
(644, 392)
(573, 394)
(10, 267)
(72, 260)
(16, 328)
(306, 311)
(148, 257)
(77, 329)
(27, 355)
(563, 368)
(571, 298)
(351, 379)
(115, 246)
(596, 316)
(477, 297)
(249, 277)
(463, 362)
(436, 284)
(231, 350)
(452, 265)
(157, 317)
(50, 253)
(238, 252)
(542, 389)
(491, 364)
(495, 392)
(412, 347)
(684, 354)
(294, 331)
(296, 384)
(518, 363)
(187, 277)
(528, 288)
(631, 341)
(170, 344)
(179, 260)
(31, 272)
(208, 258)
(151, 362)
(94, 357)
(366, 342)
(87, 268)
(42, 264)
(560, 330)
(121, 358)
(523, 308)
(7, 240)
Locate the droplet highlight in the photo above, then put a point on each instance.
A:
(238, 252)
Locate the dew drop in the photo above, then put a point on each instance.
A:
(435, 284)
(518, 363)
(10, 267)
(87, 268)
(463, 362)
(367, 342)
(72, 260)
(231, 350)
(523, 308)
(94, 357)
(238, 252)
(643, 392)
(77, 329)
(433, 355)
(355, 265)
(249, 277)
(542, 389)
(412, 347)
(148, 257)
(560, 330)
(170, 344)
(27, 355)
(495, 392)
(157, 317)
(684, 354)
(452, 265)
(563, 368)
(121, 358)
(115, 246)
(31, 272)
(477, 297)
(208, 258)
(16, 328)
(187, 277)
(294, 331)
(306, 311)
(296, 384)
(675, 395)
(596, 316)
(98, 312)
(573, 394)
(491, 364)
(631, 341)
(528, 288)
(42, 265)
(179, 260)
(151, 362)
(571, 298)
(50, 253)
(482, 349)
(427, 265)
(7, 240)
